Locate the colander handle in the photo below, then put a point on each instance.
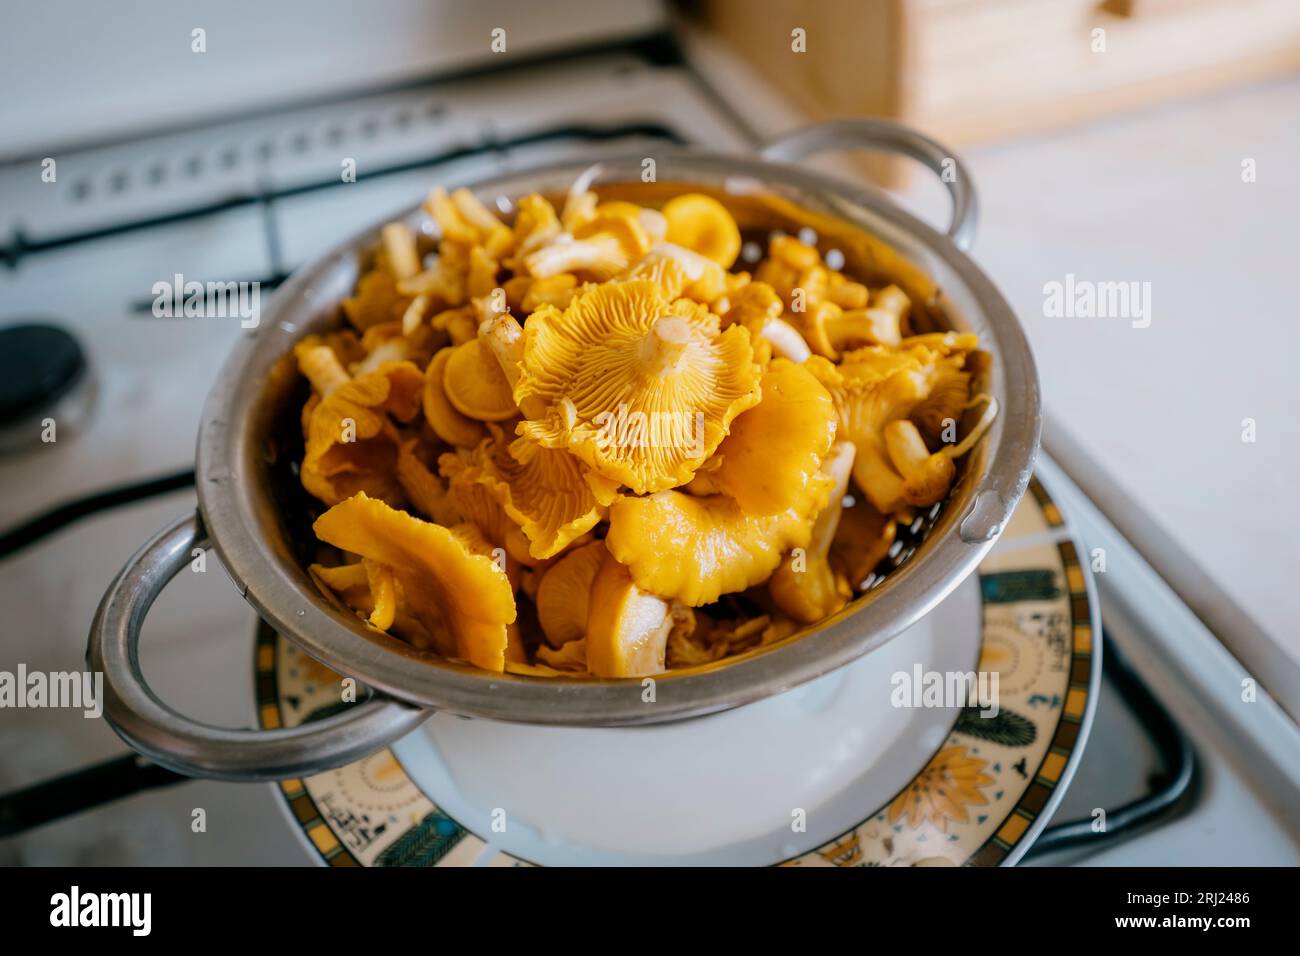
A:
(888, 137)
(186, 746)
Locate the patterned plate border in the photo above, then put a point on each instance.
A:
(974, 804)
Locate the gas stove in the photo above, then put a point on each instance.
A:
(1206, 778)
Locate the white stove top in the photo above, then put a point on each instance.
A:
(154, 375)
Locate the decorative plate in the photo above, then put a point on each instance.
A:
(959, 787)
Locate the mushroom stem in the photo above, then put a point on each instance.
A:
(813, 590)
(838, 466)
(981, 426)
(876, 476)
(399, 243)
(322, 368)
(926, 476)
(786, 340)
(665, 345)
(505, 338)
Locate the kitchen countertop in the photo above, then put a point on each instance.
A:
(1154, 196)
(1158, 196)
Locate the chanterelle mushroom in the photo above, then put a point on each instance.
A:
(776, 447)
(805, 586)
(462, 218)
(447, 423)
(926, 475)
(758, 308)
(476, 502)
(639, 387)
(873, 387)
(696, 548)
(627, 628)
(622, 426)
(563, 596)
(475, 384)
(682, 273)
(549, 493)
(702, 224)
(351, 443)
(446, 585)
(536, 224)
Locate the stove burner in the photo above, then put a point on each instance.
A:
(43, 375)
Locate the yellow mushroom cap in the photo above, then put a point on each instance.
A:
(383, 591)
(776, 447)
(424, 489)
(627, 629)
(682, 272)
(464, 592)
(476, 502)
(696, 548)
(754, 305)
(570, 657)
(351, 443)
(557, 290)
(862, 540)
(702, 224)
(623, 225)
(872, 387)
(639, 387)
(546, 491)
(475, 384)
(806, 586)
(445, 282)
(810, 594)
(447, 423)
(462, 218)
(535, 225)
(376, 301)
(949, 397)
(563, 595)
(347, 585)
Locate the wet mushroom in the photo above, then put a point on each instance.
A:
(564, 593)
(641, 388)
(462, 218)
(831, 330)
(683, 271)
(475, 384)
(806, 587)
(351, 441)
(776, 448)
(447, 423)
(703, 225)
(696, 548)
(627, 628)
(547, 492)
(535, 225)
(446, 585)
(476, 502)
(424, 489)
(871, 388)
(758, 308)
(926, 475)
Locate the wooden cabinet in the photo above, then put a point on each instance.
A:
(973, 70)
